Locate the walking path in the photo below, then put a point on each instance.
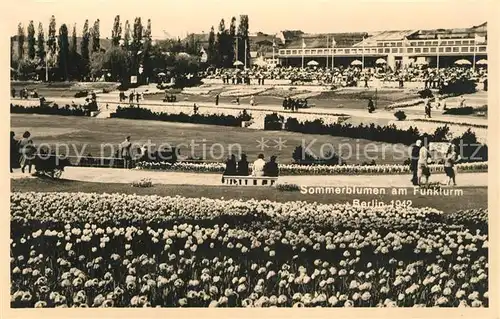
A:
(113, 102)
(114, 175)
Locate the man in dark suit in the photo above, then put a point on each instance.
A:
(415, 151)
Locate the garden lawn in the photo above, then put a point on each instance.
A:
(87, 135)
(349, 98)
(472, 198)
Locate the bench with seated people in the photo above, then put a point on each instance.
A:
(263, 174)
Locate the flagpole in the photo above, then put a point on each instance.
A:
(363, 54)
(246, 40)
(327, 54)
(439, 43)
(474, 57)
(303, 46)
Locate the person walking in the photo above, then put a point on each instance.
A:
(415, 152)
(451, 158)
(423, 172)
(14, 152)
(371, 106)
(27, 152)
(217, 100)
(125, 152)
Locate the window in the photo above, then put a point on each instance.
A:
(440, 49)
(347, 50)
(465, 49)
(393, 44)
(420, 43)
(394, 50)
(294, 51)
(418, 50)
(426, 50)
(458, 42)
(380, 44)
(448, 49)
(399, 44)
(482, 49)
(287, 52)
(434, 43)
(427, 43)
(410, 50)
(313, 51)
(373, 50)
(387, 50)
(354, 50)
(307, 52)
(433, 50)
(456, 49)
(400, 50)
(380, 50)
(319, 51)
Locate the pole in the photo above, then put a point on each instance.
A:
(237, 57)
(363, 54)
(439, 42)
(474, 57)
(327, 54)
(46, 69)
(302, 57)
(246, 40)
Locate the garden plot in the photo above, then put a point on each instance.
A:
(455, 130)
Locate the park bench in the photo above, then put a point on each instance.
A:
(249, 180)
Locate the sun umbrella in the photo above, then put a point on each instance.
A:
(356, 62)
(463, 62)
(238, 63)
(482, 62)
(380, 61)
(312, 63)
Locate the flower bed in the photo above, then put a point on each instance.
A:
(296, 169)
(89, 250)
(404, 104)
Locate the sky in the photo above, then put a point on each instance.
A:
(179, 17)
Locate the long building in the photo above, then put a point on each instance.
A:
(397, 48)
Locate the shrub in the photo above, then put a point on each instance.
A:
(273, 122)
(143, 183)
(48, 110)
(400, 115)
(426, 93)
(467, 110)
(288, 187)
(138, 113)
(458, 87)
(81, 94)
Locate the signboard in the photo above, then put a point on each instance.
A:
(133, 79)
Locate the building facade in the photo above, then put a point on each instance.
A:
(437, 48)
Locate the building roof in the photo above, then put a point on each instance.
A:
(323, 39)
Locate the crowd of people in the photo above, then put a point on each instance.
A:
(349, 76)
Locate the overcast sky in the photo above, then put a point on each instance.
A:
(180, 17)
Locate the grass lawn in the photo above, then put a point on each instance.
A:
(472, 197)
(354, 99)
(86, 135)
